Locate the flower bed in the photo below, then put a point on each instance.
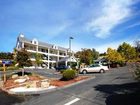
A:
(54, 82)
(34, 84)
(61, 83)
(10, 83)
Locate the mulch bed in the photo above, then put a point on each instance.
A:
(55, 82)
(61, 83)
(10, 82)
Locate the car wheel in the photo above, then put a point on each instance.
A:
(84, 71)
(102, 71)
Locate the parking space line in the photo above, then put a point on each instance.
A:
(73, 101)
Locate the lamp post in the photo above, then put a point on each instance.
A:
(70, 38)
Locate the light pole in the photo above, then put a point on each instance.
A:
(70, 38)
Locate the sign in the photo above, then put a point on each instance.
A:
(6, 62)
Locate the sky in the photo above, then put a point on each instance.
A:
(95, 24)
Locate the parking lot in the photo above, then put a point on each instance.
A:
(115, 87)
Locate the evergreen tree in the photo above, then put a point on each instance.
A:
(23, 58)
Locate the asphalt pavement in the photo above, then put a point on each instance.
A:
(49, 73)
(116, 87)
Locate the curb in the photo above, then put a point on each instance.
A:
(31, 93)
(49, 90)
(66, 86)
(76, 83)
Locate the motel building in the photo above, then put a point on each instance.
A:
(52, 55)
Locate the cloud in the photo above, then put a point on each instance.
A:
(111, 14)
(46, 32)
(103, 47)
(133, 25)
(114, 45)
(56, 30)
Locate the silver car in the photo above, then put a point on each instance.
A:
(94, 68)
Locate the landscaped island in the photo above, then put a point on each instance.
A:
(31, 83)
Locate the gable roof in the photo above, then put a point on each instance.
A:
(42, 44)
(68, 59)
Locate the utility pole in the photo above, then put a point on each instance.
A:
(70, 38)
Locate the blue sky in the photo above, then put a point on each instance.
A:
(95, 24)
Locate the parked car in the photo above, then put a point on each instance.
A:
(59, 68)
(94, 68)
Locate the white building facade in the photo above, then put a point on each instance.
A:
(52, 54)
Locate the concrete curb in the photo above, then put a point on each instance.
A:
(66, 86)
(30, 93)
(76, 83)
(50, 90)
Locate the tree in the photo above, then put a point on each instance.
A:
(23, 59)
(137, 47)
(6, 55)
(127, 51)
(38, 59)
(114, 56)
(95, 54)
(87, 56)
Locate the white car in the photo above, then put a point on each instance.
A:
(94, 68)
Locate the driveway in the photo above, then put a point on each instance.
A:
(116, 87)
(50, 73)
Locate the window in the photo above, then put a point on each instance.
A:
(42, 50)
(34, 41)
(95, 65)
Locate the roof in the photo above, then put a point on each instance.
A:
(101, 59)
(62, 48)
(42, 44)
(23, 39)
(68, 59)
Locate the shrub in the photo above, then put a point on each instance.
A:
(61, 71)
(69, 74)
(121, 63)
(137, 72)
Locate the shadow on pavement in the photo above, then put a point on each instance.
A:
(122, 94)
(7, 99)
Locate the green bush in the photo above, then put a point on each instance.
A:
(121, 64)
(137, 72)
(61, 71)
(69, 74)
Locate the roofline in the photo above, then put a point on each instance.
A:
(29, 41)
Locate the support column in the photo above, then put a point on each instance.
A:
(66, 53)
(57, 58)
(22, 45)
(66, 63)
(48, 59)
(37, 48)
(48, 65)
